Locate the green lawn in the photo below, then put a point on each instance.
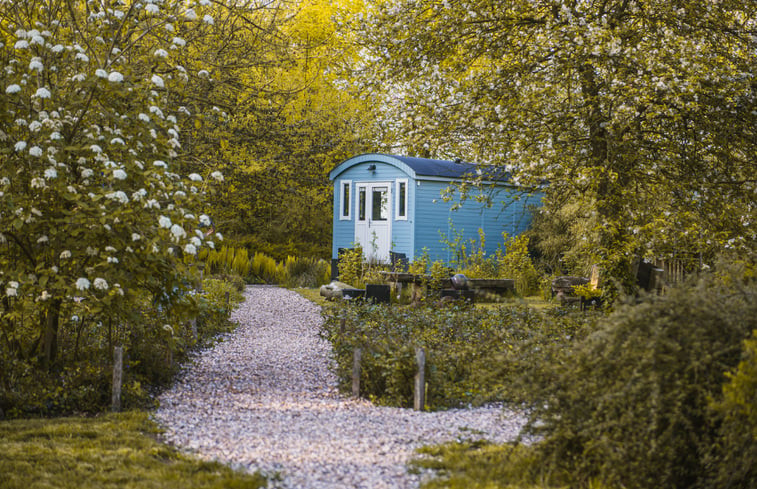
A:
(109, 451)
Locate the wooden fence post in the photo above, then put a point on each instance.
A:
(118, 357)
(356, 359)
(193, 324)
(419, 400)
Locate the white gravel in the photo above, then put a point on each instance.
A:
(264, 399)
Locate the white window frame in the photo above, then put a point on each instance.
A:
(397, 192)
(342, 216)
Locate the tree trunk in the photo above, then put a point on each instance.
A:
(50, 340)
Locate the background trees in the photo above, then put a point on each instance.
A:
(277, 114)
(642, 110)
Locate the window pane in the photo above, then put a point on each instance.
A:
(402, 199)
(361, 204)
(380, 204)
(346, 199)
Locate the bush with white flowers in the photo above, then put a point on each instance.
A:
(88, 226)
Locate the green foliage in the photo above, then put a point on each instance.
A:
(515, 263)
(480, 465)
(106, 452)
(264, 268)
(155, 341)
(307, 272)
(733, 457)
(351, 267)
(631, 405)
(473, 355)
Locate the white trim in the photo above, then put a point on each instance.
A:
(397, 184)
(342, 215)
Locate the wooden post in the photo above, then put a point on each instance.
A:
(419, 401)
(118, 356)
(356, 359)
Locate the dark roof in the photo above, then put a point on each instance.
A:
(424, 167)
(438, 168)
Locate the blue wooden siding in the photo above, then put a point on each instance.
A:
(439, 223)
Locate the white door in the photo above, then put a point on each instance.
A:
(373, 231)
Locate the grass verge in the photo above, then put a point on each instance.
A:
(110, 451)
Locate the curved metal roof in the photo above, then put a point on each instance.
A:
(423, 167)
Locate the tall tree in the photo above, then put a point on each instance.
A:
(92, 208)
(643, 109)
(274, 117)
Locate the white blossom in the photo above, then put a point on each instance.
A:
(196, 241)
(190, 14)
(143, 117)
(58, 48)
(119, 174)
(45, 295)
(195, 177)
(208, 19)
(12, 89)
(203, 73)
(164, 222)
(190, 249)
(96, 149)
(86, 173)
(115, 77)
(35, 151)
(37, 183)
(112, 259)
(101, 73)
(101, 284)
(205, 220)
(119, 195)
(160, 164)
(51, 173)
(82, 57)
(36, 64)
(65, 254)
(20, 146)
(219, 236)
(82, 283)
(161, 53)
(178, 231)
(157, 81)
(217, 175)
(178, 41)
(117, 141)
(42, 93)
(151, 8)
(21, 44)
(135, 237)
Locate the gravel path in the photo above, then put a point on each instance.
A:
(264, 399)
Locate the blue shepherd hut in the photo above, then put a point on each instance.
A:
(393, 207)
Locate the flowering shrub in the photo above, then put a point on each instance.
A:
(95, 215)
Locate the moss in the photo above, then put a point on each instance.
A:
(111, 451)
